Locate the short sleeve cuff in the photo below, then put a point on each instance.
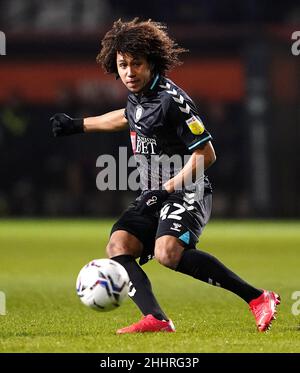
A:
(200, 142)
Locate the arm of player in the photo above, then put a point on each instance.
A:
(204, 156)
(64, 125)
(110, 122)
(201, 158)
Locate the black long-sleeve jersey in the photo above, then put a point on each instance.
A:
(164, 123)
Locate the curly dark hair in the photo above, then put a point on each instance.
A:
(139, 38)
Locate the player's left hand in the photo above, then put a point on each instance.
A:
(152, 201)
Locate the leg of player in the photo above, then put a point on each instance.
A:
(170, 252)
(124, 248)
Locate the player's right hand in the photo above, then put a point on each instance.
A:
(152, 201)
(63, 125)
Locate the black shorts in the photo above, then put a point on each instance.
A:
(181, 216)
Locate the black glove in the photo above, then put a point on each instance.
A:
(63, 125)
(152, 201)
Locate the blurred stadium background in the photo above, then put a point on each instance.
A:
(240, 71)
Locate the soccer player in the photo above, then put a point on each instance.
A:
(168, 217)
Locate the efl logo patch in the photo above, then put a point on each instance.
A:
(195, 125)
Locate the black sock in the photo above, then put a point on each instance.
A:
(141, 290)
(207, 268)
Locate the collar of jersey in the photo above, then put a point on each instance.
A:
(154, 82)
(152, 85)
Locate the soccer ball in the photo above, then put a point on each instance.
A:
(102, 284)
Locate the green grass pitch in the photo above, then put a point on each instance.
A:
(40, 261)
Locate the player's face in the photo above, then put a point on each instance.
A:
(134, 72)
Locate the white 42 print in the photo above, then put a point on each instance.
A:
(175, 214)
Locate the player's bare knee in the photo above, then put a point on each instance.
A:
(168, 253)
(116, 248)
(165, 259)
(123, 243)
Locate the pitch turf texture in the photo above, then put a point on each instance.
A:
(40, 261)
